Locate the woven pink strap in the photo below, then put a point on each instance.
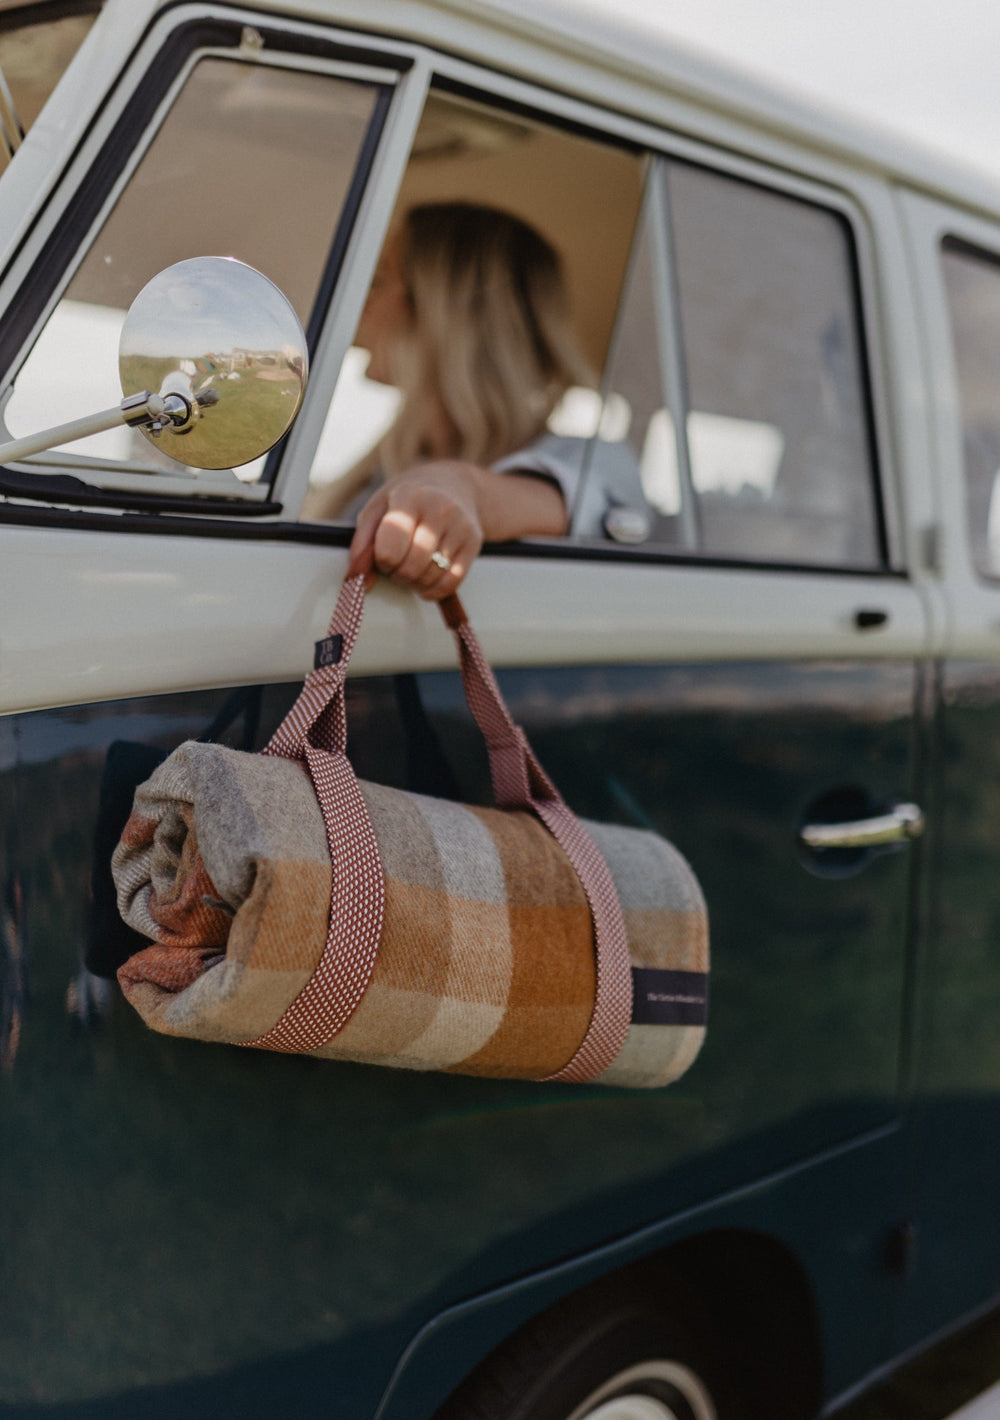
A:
(315, 729)
(520, 782)
(318, 714)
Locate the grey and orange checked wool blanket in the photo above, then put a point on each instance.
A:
(485, 965)
(294, 908)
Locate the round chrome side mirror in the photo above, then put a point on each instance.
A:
(213, 366)
(223, 349)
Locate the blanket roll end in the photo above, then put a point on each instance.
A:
(152, 978)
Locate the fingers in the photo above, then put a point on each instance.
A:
(436, 581)
(403, 529)
(403, 544)
(404, 550)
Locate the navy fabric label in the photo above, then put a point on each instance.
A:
(669, 998)
(328, 651)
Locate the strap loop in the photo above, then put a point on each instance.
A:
(318, 716)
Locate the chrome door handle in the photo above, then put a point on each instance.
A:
(901, 823)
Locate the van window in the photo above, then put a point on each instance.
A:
(581, 194)
(972, 285)
(732, 417)
(776, 421)
(775, 461)
(227, 173)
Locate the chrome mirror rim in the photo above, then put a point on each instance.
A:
(224, 348)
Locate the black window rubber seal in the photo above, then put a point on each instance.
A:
(65, 488)
(338, 249)
(224, 527)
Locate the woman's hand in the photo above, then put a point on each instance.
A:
(425, 528)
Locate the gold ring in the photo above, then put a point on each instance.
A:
(442, 560)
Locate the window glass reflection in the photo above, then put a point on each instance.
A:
(972, 284)
(777, 427)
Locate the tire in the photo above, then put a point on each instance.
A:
(630, 1348)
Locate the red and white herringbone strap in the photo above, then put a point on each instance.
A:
(315, 729)
(519, 781)
(357, 908)
(318, 713)
(612, 1013)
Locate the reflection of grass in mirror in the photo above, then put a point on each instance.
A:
(252, 414)
(256, 405)
(142, 372)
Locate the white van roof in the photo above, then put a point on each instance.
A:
(637, 64)
(622, 66)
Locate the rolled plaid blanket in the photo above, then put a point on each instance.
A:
(294, 907)
(485, 964)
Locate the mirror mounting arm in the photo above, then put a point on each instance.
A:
(137, 408)
(153, 412)
(156, 412)
(64, 434)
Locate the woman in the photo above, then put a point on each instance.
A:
(467, 317)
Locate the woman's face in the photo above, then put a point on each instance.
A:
(387, 313)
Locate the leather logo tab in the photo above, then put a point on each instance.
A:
(669, 998)
(328, 651)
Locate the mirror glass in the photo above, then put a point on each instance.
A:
(220, 334)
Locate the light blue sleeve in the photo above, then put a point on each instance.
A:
(596, 478)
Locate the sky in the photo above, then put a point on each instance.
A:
(929, 69)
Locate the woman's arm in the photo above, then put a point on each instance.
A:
(450, 508)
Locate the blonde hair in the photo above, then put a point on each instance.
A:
(490, 346)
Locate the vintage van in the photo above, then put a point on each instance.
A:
(788, 663)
